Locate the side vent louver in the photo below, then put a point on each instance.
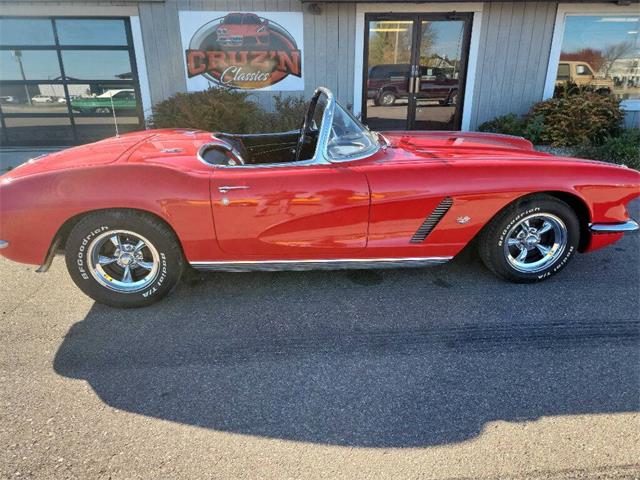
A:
(432, 220)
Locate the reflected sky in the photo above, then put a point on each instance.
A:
(96, 64)
(26, 31)
(598, 32)
(448, 38)
(91, 32)
(37, 64)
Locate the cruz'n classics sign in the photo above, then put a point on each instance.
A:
(242, 50)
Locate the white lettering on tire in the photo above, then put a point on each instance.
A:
(80, 260)
(163, 274)
(512, 222)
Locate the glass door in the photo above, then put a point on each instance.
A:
(414, 71)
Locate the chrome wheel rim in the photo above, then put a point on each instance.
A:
(535, 243)
(387, 99)
(123, 261)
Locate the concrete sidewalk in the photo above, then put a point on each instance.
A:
(11, 157)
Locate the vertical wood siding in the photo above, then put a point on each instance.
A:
(327, 56)
(515, 43)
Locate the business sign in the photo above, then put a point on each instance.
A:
(242, 50)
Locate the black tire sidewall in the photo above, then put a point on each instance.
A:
(162, 238)
(492, 242)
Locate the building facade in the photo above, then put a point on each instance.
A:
(76, 71)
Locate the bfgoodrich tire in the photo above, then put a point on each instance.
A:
(123, 258)
(530, 240)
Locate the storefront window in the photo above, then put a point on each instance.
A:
(91, 32)
(26, 31)
(29, 65)
(98, 64)
(601, 53)
(66, 80)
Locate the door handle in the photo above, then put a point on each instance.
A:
(226, 188)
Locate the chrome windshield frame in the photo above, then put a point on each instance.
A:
(320, 157)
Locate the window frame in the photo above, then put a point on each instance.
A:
(134, 82)
(579, 10)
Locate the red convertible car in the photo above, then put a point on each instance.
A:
(131, 212)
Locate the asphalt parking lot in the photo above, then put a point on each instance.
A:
(444, 372)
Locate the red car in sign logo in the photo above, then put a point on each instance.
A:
(243, 29)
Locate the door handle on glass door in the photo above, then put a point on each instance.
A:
(226, 188)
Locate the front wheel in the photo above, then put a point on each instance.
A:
(530, 240)
(123, 258)
(387, 99)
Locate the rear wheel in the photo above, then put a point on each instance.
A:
(530, 240)
(123, 258)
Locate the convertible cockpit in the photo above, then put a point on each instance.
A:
(329, 133)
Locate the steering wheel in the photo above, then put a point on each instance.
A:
(306, 126)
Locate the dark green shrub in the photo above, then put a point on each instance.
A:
(576, 118)
(623, 149)
(573, 120)
(212, 110)
(288, 114)
(568, 88)
(227, 110)
(510, 124)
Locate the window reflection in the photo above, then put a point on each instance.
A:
(91, 32)
(39, 98)
(602, 53)
(97, 64)
(26, 31)
(102, 98)
(40, 106)
(29, 65)
(39, 130)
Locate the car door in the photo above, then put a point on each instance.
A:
(296, 211)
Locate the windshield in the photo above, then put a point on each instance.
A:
(348, 138)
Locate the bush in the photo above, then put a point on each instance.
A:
(510, 124)
(230, 111)
(212, 110)
(623, 149)
(574, 120)
(287, 116)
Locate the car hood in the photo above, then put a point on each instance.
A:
(454, 143)
(449, 146)
(93, 154)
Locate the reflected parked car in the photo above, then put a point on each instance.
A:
(8, 99)
(42, 99)
(388, 83)
(120, 99)
(581, 73)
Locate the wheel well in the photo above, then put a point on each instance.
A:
(581, 210)
(65, 229)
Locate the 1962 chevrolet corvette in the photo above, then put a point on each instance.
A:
(130, 212)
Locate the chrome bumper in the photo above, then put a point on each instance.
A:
(3, 244)
(628, 226)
